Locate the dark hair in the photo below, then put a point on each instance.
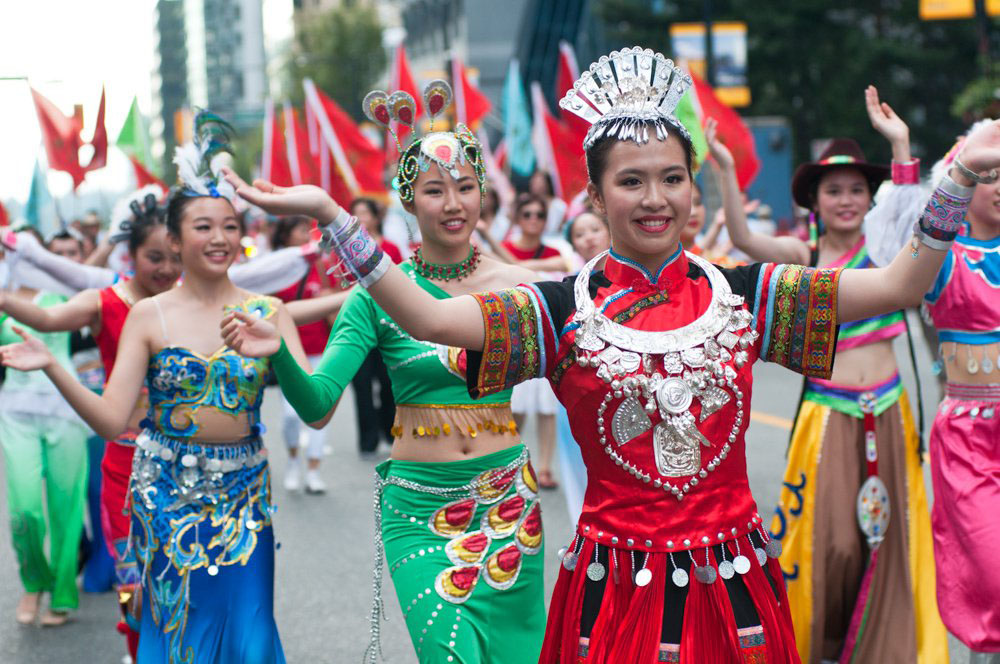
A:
(284, 227)
(65, 234)
(526, 199)
(872, 182)
(597, 154)
(373, 207)
(568, 229)
(177, 201)
(548, 180)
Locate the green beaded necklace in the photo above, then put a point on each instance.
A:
(446, 271)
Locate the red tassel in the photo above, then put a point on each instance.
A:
(778, 635)
(573, 608)
(638, 637)
(553, 626)
(774, 568)
(709, 630)
(614, 605)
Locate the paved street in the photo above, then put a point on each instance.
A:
(323, 584)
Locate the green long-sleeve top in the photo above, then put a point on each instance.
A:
(422, 373)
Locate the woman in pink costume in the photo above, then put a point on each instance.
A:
(964, 306)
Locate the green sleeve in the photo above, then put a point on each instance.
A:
(353, 337)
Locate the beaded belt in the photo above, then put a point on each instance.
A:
(966, 392)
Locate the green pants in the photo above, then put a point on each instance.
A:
(37, 448)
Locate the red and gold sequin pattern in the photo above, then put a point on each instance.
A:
(468, 549)
(502, 567)
(454, 518)
(492, 485)
(527, 483)
(501, 520)
(529, 532)
(455, 584)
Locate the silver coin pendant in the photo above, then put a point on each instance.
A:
(741, 564)
(679, 577)
(595, 571)
(643, 577)
(569, 561)
(726, 570)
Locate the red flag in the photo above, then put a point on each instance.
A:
(357, 162)
(400, 78)
(144, 177)
(61, 135)
(471, 105)
(99, 142)
(557, 148)
(733, 133)
(566, 76)
(300, 162)
(4, 217)
(274, 159)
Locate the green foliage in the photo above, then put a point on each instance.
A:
(810, 60)
(980, 98)
(340, 50)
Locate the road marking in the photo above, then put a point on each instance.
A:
(771, 420)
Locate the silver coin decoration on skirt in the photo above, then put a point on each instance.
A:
(761, 556)
(773, 548)
(726, 570)
(595, 571)
(679, 577)
(569, 561)
(741, 564)
(706, 574)
(643, 577)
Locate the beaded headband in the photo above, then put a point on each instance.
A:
(199, 162)
(622, 93)
(447, 149)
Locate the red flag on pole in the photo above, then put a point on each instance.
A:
(99, 142)
(566, 76)
(732, 131)
(400, 78)
(471, 105)
(61, 136)
(357, 162)
(274, 160)
(300, 162)
(143, 177)
(558, 150)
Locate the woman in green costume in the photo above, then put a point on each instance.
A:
(456, 505)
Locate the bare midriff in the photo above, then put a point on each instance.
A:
(451, 433)
(955, 357)
(214, 426)
(865, 365)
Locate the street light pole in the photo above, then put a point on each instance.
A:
(709, 60)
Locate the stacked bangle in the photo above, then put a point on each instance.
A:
(359, 254)
(906, 172)
(944, 215)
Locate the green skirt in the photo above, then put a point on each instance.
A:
(463, 543)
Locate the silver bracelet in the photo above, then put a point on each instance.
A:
(975, 177)
(928, 241)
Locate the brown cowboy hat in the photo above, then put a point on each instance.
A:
(840, 153)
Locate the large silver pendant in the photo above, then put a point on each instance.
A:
(677, 446)
(674, 395)
(629, 421)
(873, 510)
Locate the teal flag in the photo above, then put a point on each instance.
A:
(517, 123)
(40, 210)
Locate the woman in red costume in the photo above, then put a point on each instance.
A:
(104, 311)
(652, 359)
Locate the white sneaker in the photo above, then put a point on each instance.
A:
(314, 483)
(293, 475)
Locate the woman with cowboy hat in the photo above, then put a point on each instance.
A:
(854, 439)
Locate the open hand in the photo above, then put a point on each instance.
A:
(27, 355)
(304, 199)
(884, 119)
(720, 153)
(981, 151)
(250, 336)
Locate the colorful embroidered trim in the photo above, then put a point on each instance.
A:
(944, 215)
(906, 173)
(847, 400)
(510, 351)
(804, 325)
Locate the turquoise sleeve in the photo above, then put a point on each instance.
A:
(353, 337)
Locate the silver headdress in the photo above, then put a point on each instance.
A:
(625, 91)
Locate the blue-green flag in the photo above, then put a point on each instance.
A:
(40, 210)
(517, 123)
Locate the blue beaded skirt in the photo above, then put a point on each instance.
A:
(201, 532)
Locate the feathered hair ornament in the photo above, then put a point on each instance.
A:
(447, 149)
(199, 162)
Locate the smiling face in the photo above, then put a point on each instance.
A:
(645, 194)
(589, 235)
(209, 239)
(531, 219)
(446, 209)
(157, 268)
(984, 211)
(843, 199)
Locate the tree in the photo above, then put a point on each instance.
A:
(341, 50)
(810, 60)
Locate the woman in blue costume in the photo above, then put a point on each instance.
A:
(200, 494)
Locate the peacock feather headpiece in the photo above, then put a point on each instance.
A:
(200, 161)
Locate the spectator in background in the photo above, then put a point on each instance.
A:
(90, 226)
(294, 231)
(540, 185)
(374, 421)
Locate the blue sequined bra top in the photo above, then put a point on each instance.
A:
(182, 381)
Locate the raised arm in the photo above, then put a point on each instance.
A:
(866, 293)
(275, 271)
(455, 321)
(80, 311)
(759, 247)
(107, 413)
(316, 308)
(73, 275)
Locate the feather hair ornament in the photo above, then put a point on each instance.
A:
(199, 162)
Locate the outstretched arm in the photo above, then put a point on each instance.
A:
(73, 275)
(316, 308)
(759, 247)
(455, 321)
(107, 413)
(275, 271)
(80, 311)
(865, 293)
